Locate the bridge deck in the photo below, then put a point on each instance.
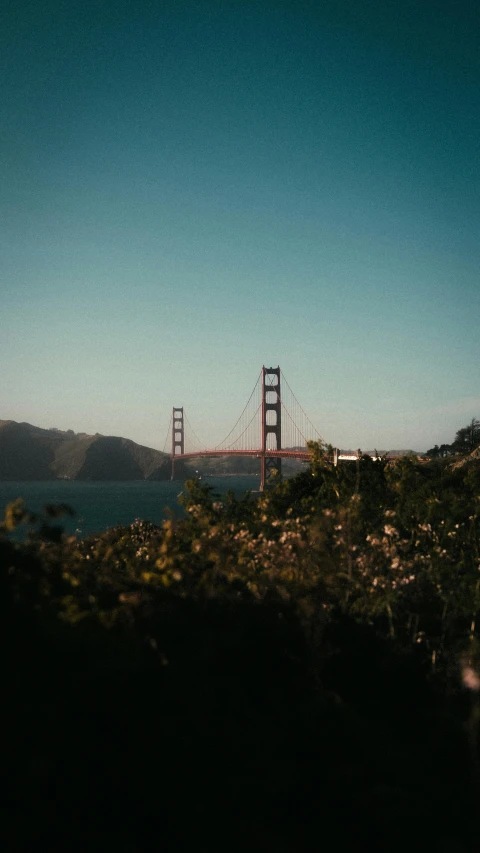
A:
(280, 454)
(303, 455)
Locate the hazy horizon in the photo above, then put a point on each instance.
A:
(192, 190)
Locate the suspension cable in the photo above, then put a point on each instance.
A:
(168, 432)
(200, 444)
(241, 416)
(244, 431)
(300, 407)
(297, 428)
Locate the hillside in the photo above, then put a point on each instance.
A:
(30, 453)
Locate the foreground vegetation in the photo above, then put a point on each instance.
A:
(269, 673)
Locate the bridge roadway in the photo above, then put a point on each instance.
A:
(277, 454)
(303, 455)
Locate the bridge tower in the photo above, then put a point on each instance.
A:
(271, 426)
(178, 435)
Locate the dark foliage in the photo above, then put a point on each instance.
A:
(281, 673)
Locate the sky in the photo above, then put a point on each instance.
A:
(191, 190)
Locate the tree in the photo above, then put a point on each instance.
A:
(468, 437)
(445, 450)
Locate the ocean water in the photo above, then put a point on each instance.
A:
(98, 506)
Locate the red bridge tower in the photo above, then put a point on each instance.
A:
(271, 465)
(178, 435)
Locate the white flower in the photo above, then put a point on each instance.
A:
(470, 678)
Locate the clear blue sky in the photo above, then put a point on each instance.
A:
(190, 190)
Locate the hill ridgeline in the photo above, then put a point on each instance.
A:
(30, 453)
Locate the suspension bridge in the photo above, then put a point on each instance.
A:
(272, 426)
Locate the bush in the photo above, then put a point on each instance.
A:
(257, 675)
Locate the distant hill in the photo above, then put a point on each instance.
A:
(30, 453)
(224, 465)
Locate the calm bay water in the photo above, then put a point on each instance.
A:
(101, 505)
